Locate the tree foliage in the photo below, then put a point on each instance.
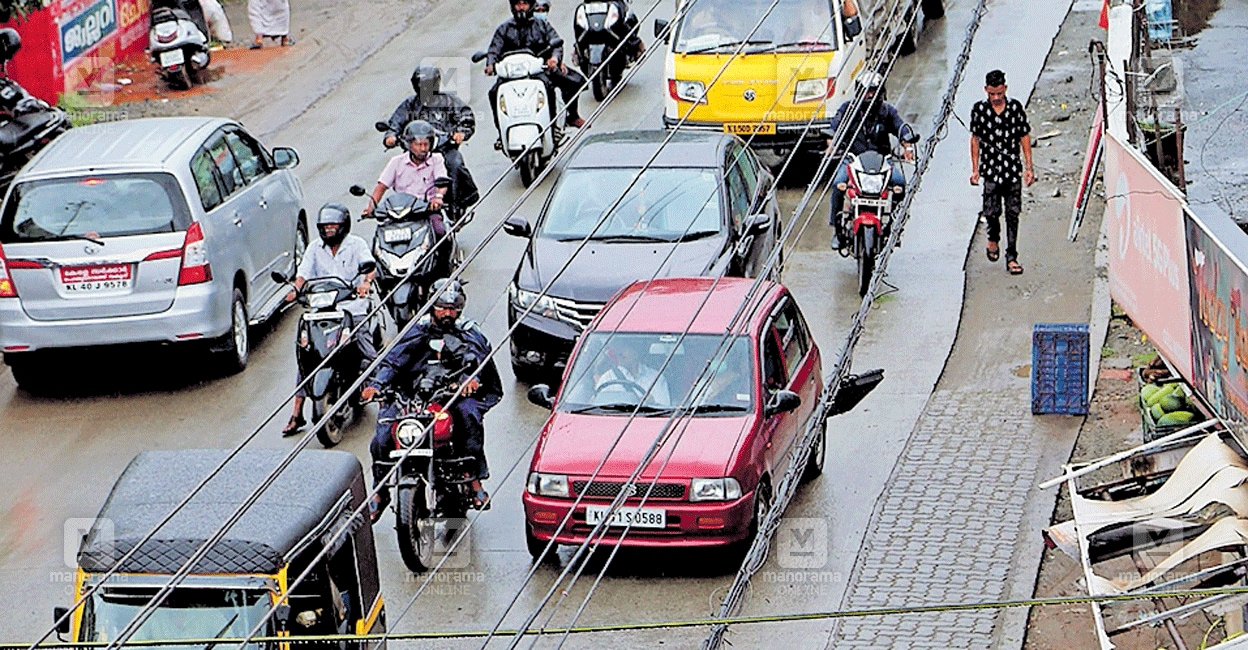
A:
(19, 9)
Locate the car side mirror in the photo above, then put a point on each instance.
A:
(756, 224)
(281, 617)
(367, 266)
(478, 56)
(540, 395)
(381, 127)
(60, 615)
(852, 26)
(279, 277)
(660, 26)
(782, 401)
(518, 226)
(357, 190)
(285, 158)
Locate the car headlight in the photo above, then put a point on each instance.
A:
(809, 90)
(410, 433)
(714, 489)
(871, 184)
(549, 485)
(582, 19)
(613, 15)
(322, 299)
(522, 300)
(688, 91)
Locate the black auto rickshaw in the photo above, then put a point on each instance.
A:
(244, 575)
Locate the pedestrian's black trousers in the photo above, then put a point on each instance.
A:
(1007, 197)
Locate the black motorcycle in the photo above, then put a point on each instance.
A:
(323, 328)
(27, 123)
(403, 239)
(597, 28)
(430, 483)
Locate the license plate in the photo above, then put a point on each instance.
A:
(88, 279)
(874, 203)
(595, 7)
(393, 235)
(171, 57)
(750, 128)
(638, 517)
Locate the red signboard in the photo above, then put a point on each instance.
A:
(1148, 271)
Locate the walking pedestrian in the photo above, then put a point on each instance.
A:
(999, 131)
(269, 18)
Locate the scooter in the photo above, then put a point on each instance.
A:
(179, 42)
(27, 124)
(453, 210)
(323, 328)
(595, 28)
(525, 109)
(403, 239)
(430, 483)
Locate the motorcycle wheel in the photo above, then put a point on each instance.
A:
(866, 258)
(331, 434)
(181, 80)
(600, 87)
(415, 530)
(530, 167)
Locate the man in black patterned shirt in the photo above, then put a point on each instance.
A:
(999, 131)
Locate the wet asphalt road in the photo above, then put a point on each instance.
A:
(62, 454)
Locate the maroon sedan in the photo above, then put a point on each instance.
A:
(730, 398)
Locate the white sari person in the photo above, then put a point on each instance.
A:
(269, 18)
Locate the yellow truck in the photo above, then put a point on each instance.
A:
(800, 63)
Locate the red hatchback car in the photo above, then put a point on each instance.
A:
(744, 397)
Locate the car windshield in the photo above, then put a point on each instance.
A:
(93, 206)
(723, 25)
(665, 204)
(188, 613)
(613, 371)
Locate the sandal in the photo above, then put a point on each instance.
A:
(293, 427)
(377, 506)
(1014, 267)
(481, 500)
(994, 252)
(287, 41)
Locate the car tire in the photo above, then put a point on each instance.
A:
(28, 374)
(818, 451)
(535, 547)
(933, 9)
(236, 348)
(762, 504)
(526, 373)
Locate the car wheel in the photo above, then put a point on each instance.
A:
(237, 346)
(526, 373)
(29, 375)
(762, 503)
(536, 546)
(814, 463)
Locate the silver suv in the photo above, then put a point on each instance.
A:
(163, 229)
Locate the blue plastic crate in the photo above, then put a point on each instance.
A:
(1059, 368)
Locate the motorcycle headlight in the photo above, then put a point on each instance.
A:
(549, 485)
(714, 489)
(410, 433)
(688, 91)
(613, 15)
(582, 19)
(522, 300)
(322, 299)
(809, 90)
(871, 184)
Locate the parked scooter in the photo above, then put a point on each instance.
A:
(597, 28)
(525, 110)
(27, 123)
(323, 328)
(179, 42)
(430, 483)
(403, 239)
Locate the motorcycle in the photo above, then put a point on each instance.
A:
(404, 238)
(179, 42)
(430, 483)
(869, 217)
(525, 109)
(27, 125)
(596, 40)
(323, 328)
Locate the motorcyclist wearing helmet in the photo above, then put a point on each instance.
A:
(523, 32)
(626, 30)
(449, 115)
(415, 171)
(336, 254)
(476, 396)
(15, 100)
(880, 120)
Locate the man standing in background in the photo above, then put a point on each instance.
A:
(999, 131)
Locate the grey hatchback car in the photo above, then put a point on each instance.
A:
(149, 230)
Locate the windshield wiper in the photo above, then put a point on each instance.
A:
(803, 44)
(220, 634)
(632, 238)
(642, 409)
(94, 240)
(701, 234)
(704, 50)
(720, 408)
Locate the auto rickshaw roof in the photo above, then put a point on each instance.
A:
(262, 541)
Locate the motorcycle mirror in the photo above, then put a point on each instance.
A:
(442, 182)
(357, 190)
(367, 267)
(279, 277)
(660, 26)
(478, 56)
(381, 127)
(540, 395)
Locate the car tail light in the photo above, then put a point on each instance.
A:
(7, 290)
(195, 267)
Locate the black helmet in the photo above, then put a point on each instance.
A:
(427, 82)
(448, 294)
(521, 16)
(333, 214)
(10, 43)
(417, 129)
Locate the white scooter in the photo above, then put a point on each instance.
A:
(524, 111)
(179, 43)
